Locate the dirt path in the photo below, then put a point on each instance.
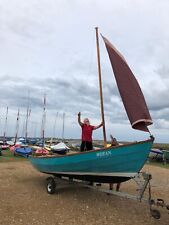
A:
(24, 201)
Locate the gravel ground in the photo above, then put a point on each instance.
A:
(24, 200)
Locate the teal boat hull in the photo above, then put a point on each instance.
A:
(112, 164)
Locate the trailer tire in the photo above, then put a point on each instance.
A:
(51, 185)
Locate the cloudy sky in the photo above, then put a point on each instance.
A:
(48, 46)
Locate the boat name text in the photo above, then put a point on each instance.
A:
(103, 154)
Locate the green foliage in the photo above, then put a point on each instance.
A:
(8, 156)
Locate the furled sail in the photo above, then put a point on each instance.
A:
(129, 89)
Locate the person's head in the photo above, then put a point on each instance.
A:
(86, 121)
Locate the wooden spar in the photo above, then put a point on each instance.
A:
(100, 85)
(5, 127)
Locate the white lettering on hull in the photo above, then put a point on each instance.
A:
(103, 154)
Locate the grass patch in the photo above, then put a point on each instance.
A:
(8, 156)
(161, 146)
(159, 164)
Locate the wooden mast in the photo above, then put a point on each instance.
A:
(100, 85)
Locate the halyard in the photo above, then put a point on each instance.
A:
(24, 200)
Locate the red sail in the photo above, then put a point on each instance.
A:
(129, 89)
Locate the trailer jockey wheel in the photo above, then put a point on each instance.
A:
(51, 185)
(155, 214)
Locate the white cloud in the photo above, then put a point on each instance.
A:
(49, 46)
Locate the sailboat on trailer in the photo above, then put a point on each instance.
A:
(115, 163)
(21, 149)
(61, 147)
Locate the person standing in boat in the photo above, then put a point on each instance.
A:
(87, 131)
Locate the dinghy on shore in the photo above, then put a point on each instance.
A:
(23, 151)
(109, 164)
(60, 148)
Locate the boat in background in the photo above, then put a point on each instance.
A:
(20, 149)
(23, 151)
(4, 147)
(165, 155)
(12, 148)
(42, 150)
(3, 144)
(5, 126)
(10, 143)
(60, 148)
(156, 154)
(112, 164)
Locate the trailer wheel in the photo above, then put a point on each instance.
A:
(51, 185)
(155, 214)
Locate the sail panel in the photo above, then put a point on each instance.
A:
(130, 91)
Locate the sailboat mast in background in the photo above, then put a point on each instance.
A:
(63, 127)
(28, 113)
(100, 85)
(54, 127)
(5, 127)
(17, 127)
(43, 120)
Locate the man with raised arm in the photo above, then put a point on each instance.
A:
(87, 131)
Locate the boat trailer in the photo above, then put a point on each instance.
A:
(142, 181)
